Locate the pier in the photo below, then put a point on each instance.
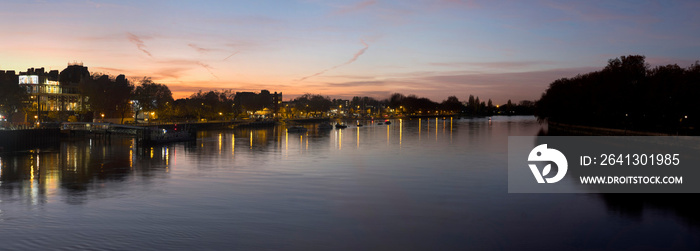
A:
(28, 138)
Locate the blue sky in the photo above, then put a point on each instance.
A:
(492, 49)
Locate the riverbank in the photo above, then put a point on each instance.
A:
(569, 129)
(18, 140)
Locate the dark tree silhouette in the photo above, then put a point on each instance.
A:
(626, 94)
(211, 105)
(452, 105)
(11, 94)
(314, 104)
(106, 95)
(153, 97)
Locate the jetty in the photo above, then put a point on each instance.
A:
(47, 135)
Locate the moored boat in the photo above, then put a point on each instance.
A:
(159, 136)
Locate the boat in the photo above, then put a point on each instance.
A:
(158, 136)
(387, 122)
(380, 123)
(296, 129)
(340, 126)
(359, 124)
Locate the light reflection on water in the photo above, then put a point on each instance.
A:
(414, 184)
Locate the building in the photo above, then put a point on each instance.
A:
(260, 104)
(53, 91)
(277, 100)
(8, 76)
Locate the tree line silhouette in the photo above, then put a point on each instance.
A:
(105, 96)
(627, 94)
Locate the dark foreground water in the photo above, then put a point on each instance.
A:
(412, 185)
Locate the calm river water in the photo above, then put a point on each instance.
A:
(412, 185)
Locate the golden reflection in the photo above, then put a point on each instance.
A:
(220, 142)
(340, 139)
(0, 169)
(301, 142)
(286, 141)
(251, 139)
(131, 158)
(307, 143)
(444, 126)
(387, 135)
(358, 137)
(436, 129)
(74, 150)
(419, 124)
(450, 130)
(33, 191)
(261, 136)
(68, 156)
(167, 157)
(151, 152)
(233, 145)
(51, 182)
(400, 132)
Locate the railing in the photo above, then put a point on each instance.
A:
(85, 126)
(17, 126)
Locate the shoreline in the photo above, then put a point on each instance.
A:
(598, 131)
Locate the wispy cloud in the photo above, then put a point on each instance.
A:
(139, 43)
(437, 86)
(109, 70)
(657, 61)
(187, 64)
(503, 65)
(198, 48)
(356, 84)
(353, 59)
(208, 68)
(229, 56)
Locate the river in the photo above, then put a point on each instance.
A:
(430, 184)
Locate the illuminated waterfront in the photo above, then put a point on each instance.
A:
(428, 184)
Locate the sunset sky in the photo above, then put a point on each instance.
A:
(491, 49)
